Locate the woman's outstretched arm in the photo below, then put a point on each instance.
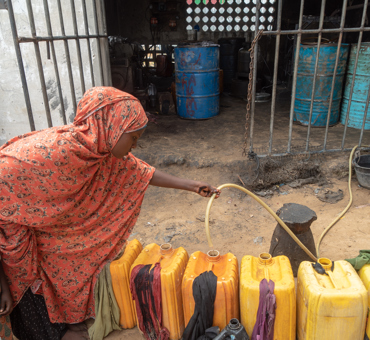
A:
(162, 179)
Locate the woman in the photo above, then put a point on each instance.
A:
(70, 198)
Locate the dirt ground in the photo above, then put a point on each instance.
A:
(211, 151)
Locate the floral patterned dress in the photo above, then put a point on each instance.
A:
(68, 205)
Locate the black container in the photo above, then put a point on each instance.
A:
(229, 48)
(235, 329)
(362, 168)
(244, 59)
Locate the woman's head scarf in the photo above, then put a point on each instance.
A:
(107, 113)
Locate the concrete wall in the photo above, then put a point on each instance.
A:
(13, 113)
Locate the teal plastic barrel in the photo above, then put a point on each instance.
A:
(360, 89)
(324, 79)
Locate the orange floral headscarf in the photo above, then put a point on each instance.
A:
(69, 204)
(107, 113)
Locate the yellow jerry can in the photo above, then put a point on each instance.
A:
(364, 273)
(225, 267)
(332, 305)
(120, 272)
(278, 269)
(173, 263)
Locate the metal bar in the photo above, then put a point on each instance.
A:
(20, 65)
(365, 117)
(68, 57)
(3, 4)
(298, 47)
(88, 42)
(58, 37)
(39, 64)
(342, 21)
(96, 24)
(253, 104)
(78, 47)
(354, 72)
(274, 82)
(311, 152)
(108, 81)
(321, 23)
(281, 32)
(349, 8)
(56, 71)
(316, 31)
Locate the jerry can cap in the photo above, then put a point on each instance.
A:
(234, 324)
(213, 256)
(265, 258)
(325, 263)
(166, 249)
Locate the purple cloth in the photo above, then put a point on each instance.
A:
(264, 327)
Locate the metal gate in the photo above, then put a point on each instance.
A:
(298, 34)
(89, 30)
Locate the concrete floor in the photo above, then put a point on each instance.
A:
(200, 142)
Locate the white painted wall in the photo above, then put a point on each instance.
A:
(13, 114)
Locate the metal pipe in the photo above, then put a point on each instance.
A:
(316, 31)
(365, 117)
(56, 71)
(39, 64)
(18, 53)
(321, 23)
(302, 153)
(253, 104)
(354, 71)
(59, 37)
(96, 24)
(296, 60)
(342, 21)
(68, 57)
(281, 32)
(88, 42)
(78, 47)
(349, 8)
(274, 82)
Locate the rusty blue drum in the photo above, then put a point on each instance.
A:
(324, 79)
(197, 81)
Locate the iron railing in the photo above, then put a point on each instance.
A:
(99, 34)
(278, 32)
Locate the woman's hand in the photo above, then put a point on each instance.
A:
(6, 302)
(161, 179)
(206, 190)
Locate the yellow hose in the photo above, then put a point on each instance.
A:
(229, 185)
(277, 218)
(346, 208)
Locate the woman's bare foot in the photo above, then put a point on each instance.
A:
(76, 335)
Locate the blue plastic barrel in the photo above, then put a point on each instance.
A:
(360, 89)
(324, 79)
(197, 81)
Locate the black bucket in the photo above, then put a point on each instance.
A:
(362, 168)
